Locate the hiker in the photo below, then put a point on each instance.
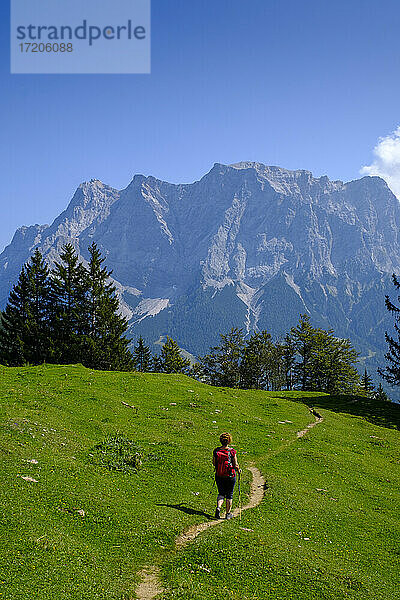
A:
(226, 466)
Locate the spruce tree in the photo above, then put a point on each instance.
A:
(380, 394)
(331, 364)
(391, 373)
(366, 384)
(13, 332)
(222, 365)
(326, 362)
(277, 370)
(288, 360)
(170, 359)
(69, 286)
(105, 345)
(25, 336)
(264, 364)
(256, 364)
(303, 337)
(142, 358)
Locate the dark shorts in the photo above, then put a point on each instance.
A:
(225, 486)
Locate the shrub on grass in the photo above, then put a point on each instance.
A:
(118, 453)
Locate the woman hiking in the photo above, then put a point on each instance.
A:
(226, 465)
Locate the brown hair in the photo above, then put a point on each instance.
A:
(225, 439)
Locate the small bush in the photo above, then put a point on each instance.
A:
(118, 453)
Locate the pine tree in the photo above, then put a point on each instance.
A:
(326, 362)
(69, 286)
(257, 361)
(13, 333)
(331, 364)
(170, 359)
(106, 347)
(380, 394)
(222, 365)
(25, 336)
(277, 372)
(142, 358)
(366, 384)
(303, 337)
(288, 360)
(391, 373)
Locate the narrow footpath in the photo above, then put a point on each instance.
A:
(150, 586)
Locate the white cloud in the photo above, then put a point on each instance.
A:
(387, 161)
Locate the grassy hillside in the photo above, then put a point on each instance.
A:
(90, 520)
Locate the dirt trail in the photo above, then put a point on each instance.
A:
(318, 419)
(256, 495)
(150, 586)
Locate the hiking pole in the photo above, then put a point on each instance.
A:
(240, 501)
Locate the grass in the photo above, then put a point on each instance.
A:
(327, 529)
(123, 466)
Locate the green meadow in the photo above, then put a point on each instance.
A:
(102, 470)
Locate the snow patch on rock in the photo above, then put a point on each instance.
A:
(149, 307)
(290, 281)
(249, 296)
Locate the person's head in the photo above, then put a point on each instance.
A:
(225, 439)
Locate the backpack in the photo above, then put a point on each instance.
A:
(224, 462)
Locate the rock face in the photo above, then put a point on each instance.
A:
(90, 205)
(248, 245)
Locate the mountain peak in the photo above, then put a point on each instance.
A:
(272, 169)
(248, 244)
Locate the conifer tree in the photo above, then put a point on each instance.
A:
(25, 336)
(13, 332)
(288, 360)
(391, 373)
(326, 362)
(366, 384)
(222, 365)
(142, 358)
(331, 364)
(170, 359)
(303, 337)
(257, 362)
(277, 371)
(106, 347)
(69, 286)
(380, 394)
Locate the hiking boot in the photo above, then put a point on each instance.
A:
(217, 513)
(229, 515)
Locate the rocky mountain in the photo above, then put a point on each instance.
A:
(248, 245)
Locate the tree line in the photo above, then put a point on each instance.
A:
(70, 314)
(307, 359)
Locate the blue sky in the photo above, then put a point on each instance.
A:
(300, 84)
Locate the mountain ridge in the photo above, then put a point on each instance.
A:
(247, 245)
